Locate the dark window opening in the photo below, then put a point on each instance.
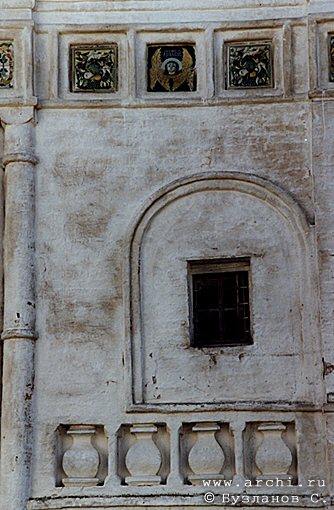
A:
(220, 309)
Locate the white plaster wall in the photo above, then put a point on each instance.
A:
(222, 224)
(323, 168)
(89, 195)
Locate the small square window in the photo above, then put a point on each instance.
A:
(220, 308)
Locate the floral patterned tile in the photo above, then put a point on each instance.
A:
(94, 68)
(331, 58)
(6, 64)
(249, 65)
(171, 68)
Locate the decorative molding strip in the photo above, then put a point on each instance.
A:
(152, 502)
(20, 157)
(19, 333)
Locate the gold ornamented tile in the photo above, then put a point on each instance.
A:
(94, 68)
(6, 64)
(171, 68)
(249, 65)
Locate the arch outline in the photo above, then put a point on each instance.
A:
(263, 189)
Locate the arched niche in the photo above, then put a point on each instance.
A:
(213, 216)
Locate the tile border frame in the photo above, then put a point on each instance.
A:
(65, 40)
(272, 34)
(165, 37)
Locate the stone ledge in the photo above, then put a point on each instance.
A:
(228, 406)
(164, 5)
(167, 103)
(151, 502)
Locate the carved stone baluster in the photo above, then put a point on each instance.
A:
(273, 457)
(143, 459)
(81, 461)
(206, 458)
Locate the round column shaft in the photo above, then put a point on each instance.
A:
(19, 317)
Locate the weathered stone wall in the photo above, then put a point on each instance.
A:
(107, 196)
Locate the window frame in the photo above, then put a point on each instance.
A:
(221, 265)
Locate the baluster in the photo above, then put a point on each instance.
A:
(143, 459)
(81, 461)
(206, 458)
(273, 457)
